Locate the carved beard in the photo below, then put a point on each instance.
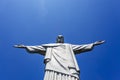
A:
(60, 40)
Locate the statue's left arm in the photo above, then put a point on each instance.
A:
(86, 47)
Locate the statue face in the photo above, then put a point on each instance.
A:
(60, 39)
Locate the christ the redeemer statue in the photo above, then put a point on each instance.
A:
(60, 61)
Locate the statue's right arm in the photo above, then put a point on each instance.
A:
(32, 49)
(20, 46)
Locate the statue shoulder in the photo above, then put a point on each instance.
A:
(49, 44)
(55, 44)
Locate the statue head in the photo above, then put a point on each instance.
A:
(60, 39)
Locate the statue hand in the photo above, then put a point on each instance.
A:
(99, 42)
(19, 46)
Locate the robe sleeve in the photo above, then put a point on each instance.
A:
(82, 48)
(36, 49)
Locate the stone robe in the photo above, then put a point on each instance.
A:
(60, 59)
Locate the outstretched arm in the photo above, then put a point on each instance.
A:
(32, 49)
(86, 47)
(20, 46)
(98, 42)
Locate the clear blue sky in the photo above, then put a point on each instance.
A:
(35, 22)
